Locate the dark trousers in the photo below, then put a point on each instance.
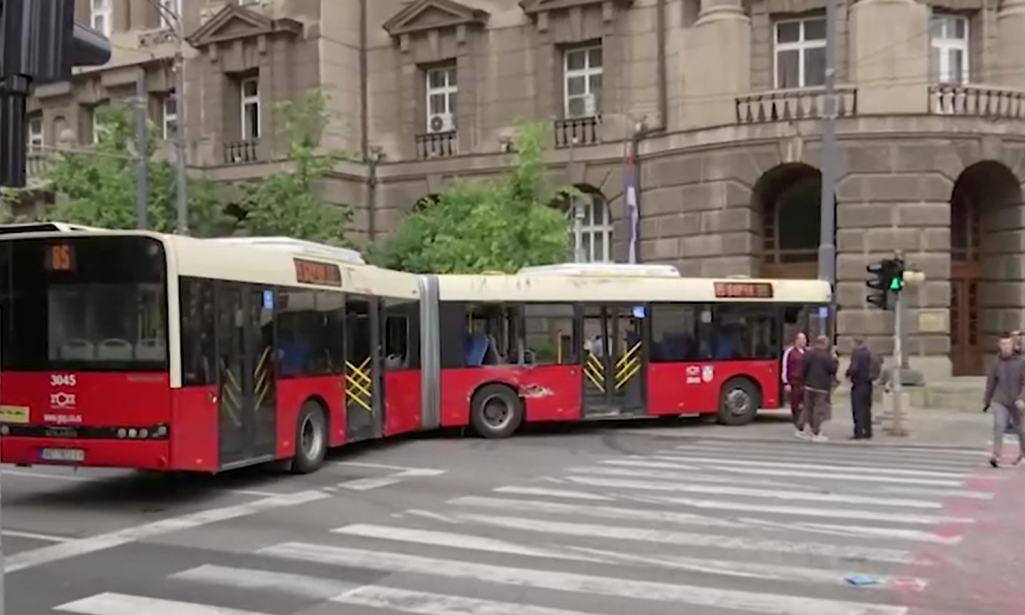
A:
(796, 402)
(861, 409)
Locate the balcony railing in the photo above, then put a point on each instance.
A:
(977, 101)
(791, 105)
(241, 152)
(437, 145)
(577, 131)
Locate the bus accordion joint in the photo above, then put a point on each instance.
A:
(358, 385)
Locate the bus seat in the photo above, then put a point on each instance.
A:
(78, 350)
(476, 349)
(151, 349)
(491, 354)
(113, 349)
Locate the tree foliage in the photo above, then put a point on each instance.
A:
(290, 202)
(476, 226)
(98, 186)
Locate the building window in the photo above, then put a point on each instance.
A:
(170, 115)
(949, 46)
(442, 96)
(98, 123)
(582, 70)
(101, 18)
(590, 211)
(250, 90)
(800, 52)
(170, 13)
(35, 134)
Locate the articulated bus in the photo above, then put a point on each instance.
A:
(139, 350)
(577, 342)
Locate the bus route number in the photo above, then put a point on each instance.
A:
(62, 380)
(59, 258)
(313, 272)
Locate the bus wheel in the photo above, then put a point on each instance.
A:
(496, 411)
(310, 439)
(739, 401)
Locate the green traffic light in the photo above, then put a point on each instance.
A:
(896, 284)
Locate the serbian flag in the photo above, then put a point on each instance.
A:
(632, 214)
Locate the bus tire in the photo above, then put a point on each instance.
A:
(496, 411)
(739, 401)
(311, 438)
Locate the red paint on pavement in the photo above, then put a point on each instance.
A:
(984, 574)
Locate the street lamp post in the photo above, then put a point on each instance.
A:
(174, 18)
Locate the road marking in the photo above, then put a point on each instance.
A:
(303, 586)
(802, 466)
(670, 537)
(46, 476)
(101, 542)
(939, 493)
(836, 498)
(589, 510)
(35, 536)
(738, 600)
(111, 603)
(456, 541)
(873, 454)
(366, 484)
(810, 473)
(553, 493)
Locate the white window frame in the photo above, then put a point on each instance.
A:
(597, 233)
(97, 126)
(169, 115)
(801, 46)
(102, 9)
(249, 101)
(36, 134)
(170, 13)
(945, 41)
(448, 90)
(586, 72)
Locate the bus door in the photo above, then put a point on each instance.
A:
(364, 384)
(246, 393)
(614, 360)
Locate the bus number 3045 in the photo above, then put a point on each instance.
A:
(62, 380)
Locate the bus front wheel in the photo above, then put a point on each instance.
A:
(310, 438)
(739, 401)
(496, 411)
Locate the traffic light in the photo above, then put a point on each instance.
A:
(39, 43)
(888, 278)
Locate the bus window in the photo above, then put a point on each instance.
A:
(742, 332)
(673, 333)
(197, 332)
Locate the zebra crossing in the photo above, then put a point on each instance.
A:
(707, 528)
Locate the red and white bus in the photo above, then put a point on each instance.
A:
(141, 350)
(578, 342)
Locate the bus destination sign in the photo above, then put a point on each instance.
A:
(743, 290)
(60, 258)
(313, 272)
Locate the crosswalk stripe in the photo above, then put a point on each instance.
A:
(809, 496)
(299, 585)
(553, 493)
(111, 603)
(426, 603)
(857, 531)
(887, 456)
(811, 473)
(721, 461)
(946, 494)
(605, 512)
(671, 537)
(740, 600)
(786, 445)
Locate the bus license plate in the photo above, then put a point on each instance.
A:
(63, 454)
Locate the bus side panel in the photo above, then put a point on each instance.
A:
(292, 393)
(401, 401)
(550, 392)
(694, 388)
(194, 429)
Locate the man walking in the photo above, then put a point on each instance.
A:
(791, 373)
(1005, 396)
(818, 374)
(862, 372)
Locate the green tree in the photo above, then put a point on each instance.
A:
(97, 186)
(290, 202)
(498, 225)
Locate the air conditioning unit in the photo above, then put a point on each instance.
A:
(441, 122)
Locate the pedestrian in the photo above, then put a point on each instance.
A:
(818, 376)
(864, 370)
(791, 374)
(1005, 396)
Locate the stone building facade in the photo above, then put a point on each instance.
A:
(720, 100)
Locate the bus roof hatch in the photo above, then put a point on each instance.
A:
(604, 270)
(298, 247)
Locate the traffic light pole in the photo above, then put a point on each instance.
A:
(897, 427)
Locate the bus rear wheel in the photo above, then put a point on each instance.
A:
(310, 439)
(496, 411)
(739, 401)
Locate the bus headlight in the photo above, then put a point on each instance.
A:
(121, 433)
(133, 432)
(4, 430)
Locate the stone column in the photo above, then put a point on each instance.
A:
(722, 33)
(889, 69)
(1010, 33)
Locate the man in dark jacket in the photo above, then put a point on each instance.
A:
(1005, 396)
(861, 374)
(818, 373)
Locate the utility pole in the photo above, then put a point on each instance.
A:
(576, 209)
(827, 204)
(897, 427)
(180, 142)
(141, 152)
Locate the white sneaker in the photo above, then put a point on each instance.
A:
(819, 438)
(801, 434)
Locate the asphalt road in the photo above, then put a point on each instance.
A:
(578, 522)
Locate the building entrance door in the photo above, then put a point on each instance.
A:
(966, 339)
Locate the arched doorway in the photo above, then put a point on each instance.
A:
(979, 194)
(787, 197)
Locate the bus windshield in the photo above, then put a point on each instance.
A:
(83, 304)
